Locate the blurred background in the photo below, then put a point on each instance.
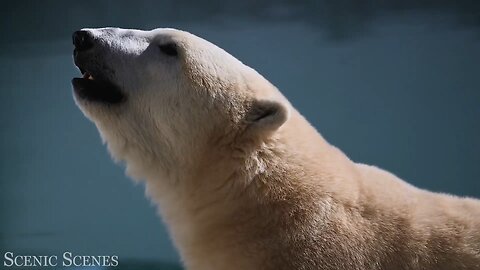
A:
(391, 83)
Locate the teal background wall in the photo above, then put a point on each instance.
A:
(395, 84)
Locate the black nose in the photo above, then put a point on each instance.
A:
(83, 40)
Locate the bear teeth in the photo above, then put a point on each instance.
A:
(88, 76)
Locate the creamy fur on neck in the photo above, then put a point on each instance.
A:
(267, 210)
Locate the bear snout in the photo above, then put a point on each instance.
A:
(97, 83)
(82, 40)
(87, 55)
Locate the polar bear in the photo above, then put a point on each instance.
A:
(241, 179)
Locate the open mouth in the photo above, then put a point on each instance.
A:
(95, 88)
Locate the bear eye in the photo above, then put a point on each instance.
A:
(169, 49)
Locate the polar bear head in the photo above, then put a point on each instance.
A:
(168, 99)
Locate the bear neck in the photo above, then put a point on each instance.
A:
(211, 208)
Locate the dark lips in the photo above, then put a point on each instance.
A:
(97, 90)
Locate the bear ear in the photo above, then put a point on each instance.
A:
(266, 116)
